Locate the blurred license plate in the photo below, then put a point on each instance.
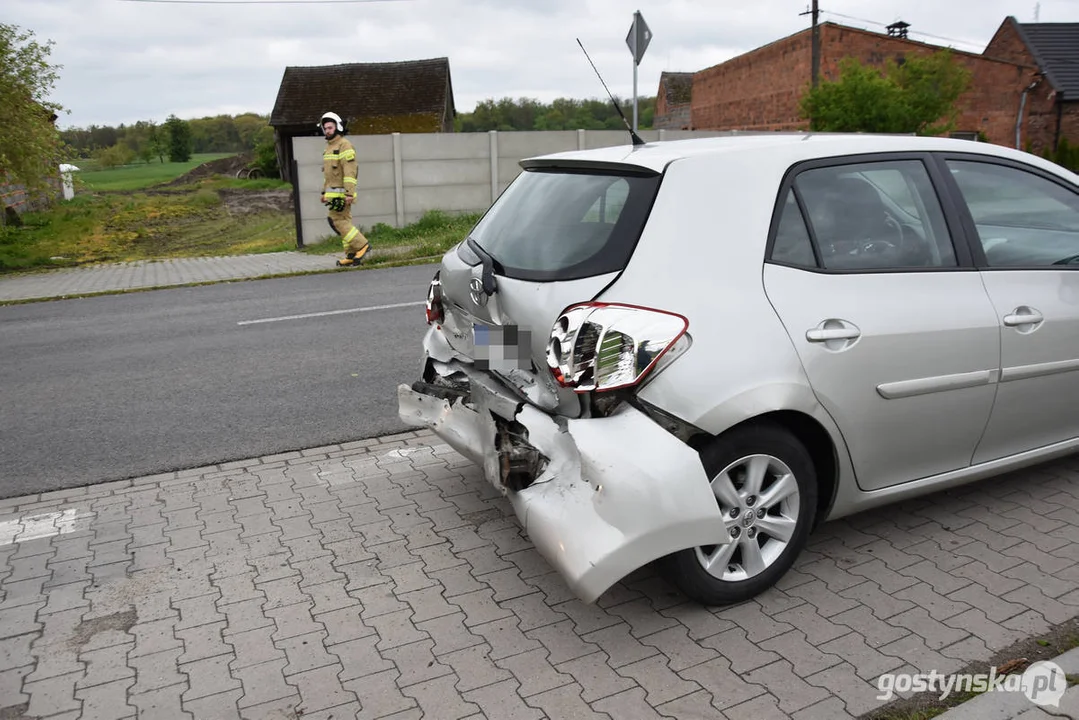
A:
(502, 347)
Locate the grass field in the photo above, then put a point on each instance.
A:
(433, 234)
(131, 213)
(126, 214)
(138, 176)
(113, 227)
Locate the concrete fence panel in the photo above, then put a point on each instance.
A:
(434, 173)
(402, 176)
(526, 144)
(443, 146)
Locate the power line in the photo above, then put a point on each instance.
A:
(260, 2)
(927, 35)
(1053, 61)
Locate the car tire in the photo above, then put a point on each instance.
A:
(732, 573)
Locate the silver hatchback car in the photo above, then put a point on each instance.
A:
(694, 352)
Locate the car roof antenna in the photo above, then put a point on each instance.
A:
(636, 138)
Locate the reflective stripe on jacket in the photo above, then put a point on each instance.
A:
(339, 165)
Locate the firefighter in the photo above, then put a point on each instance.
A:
(339, 188)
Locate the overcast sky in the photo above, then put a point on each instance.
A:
(125, 60)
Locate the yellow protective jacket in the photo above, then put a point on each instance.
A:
(339, 168)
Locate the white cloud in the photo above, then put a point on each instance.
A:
(125, 61)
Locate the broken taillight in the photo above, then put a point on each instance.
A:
(434, 310)
(607, 346)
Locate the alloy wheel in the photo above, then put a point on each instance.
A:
(759, 500)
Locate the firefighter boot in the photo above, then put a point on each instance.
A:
(353, 259)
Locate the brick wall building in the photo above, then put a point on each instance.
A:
(1033, 66)
(1053, 48)
(673, 101)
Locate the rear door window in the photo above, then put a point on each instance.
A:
(875, 216)
(561, 225)
(793, 246)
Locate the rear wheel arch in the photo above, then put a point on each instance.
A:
(764, 481)
(816, 439)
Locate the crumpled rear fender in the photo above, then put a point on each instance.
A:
(617, 493)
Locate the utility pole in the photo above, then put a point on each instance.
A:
(816, 42)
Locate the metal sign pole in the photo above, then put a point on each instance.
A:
(635, 16)
(637, 40)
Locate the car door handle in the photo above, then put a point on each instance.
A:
(837, 333)
(1023, 315)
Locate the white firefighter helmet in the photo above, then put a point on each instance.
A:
(332, 116)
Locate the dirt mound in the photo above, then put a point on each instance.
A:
(228, 167)
(247, 202)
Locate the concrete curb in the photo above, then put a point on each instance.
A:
(109, 278)
(149, 274)
(1008, 705)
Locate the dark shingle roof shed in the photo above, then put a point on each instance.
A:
(1055, 47)
(357, 90)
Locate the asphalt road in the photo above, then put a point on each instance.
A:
(121, 386)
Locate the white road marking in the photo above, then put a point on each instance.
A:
(35, 527)
(332, 312)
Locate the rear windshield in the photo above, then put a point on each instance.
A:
(562, 225)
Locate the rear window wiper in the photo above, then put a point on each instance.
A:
(1071, 259)
(489, 267)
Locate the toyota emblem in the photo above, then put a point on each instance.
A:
(475, 291)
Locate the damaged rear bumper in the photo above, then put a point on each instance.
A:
(598, 497)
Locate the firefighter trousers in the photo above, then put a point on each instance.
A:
(352, 240)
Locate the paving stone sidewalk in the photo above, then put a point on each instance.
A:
(385, 578)
(154, 274)
(143, 274)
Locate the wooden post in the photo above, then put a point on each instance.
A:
(296, 203)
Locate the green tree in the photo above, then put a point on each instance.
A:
(103, 137)
(158, 141)
(29, 142)
(179, 139)
(137, 138)
(116, 156)
(248, 127)
(266, 152)
(146, 152)
(559, 114)
(1066, 155)
(918, 95)
(78, 140)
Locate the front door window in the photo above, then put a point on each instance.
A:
(1023, 220)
